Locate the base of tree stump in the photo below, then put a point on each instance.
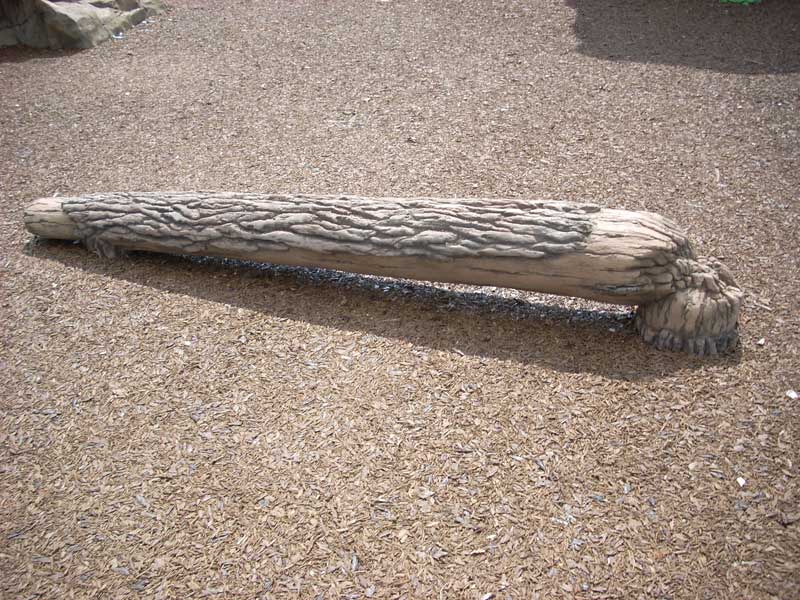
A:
(635, 258)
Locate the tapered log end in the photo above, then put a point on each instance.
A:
(46, 218)
(701, 317)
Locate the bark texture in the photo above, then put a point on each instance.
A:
(617, 256)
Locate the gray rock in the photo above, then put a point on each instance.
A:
(69, 23)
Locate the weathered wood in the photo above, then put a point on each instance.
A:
(616, 256)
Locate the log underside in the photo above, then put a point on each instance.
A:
(582, 250)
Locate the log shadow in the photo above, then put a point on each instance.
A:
(564, 334)
(728, 38)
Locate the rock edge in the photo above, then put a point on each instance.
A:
(58, 24)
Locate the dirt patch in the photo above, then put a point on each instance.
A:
(180, 428)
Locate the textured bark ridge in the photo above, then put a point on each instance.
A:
(616, 256)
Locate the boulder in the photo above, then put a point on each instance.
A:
(69, 23)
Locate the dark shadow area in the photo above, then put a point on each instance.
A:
(507, 325)
(21, 54)
(705, 34)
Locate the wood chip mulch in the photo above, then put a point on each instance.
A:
(191, 428)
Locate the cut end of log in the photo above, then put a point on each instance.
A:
(701, 318)
(46, 218)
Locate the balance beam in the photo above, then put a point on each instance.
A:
(685, 303)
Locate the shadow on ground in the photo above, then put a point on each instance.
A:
(474, 323)
(705, 34)
(21, 54)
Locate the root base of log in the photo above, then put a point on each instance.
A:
(668, 339)
(702, 319)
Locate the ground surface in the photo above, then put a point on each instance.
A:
(176, 428)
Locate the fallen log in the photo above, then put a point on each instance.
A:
(617, 256)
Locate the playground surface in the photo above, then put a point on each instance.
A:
(181, 428)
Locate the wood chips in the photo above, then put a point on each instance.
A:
(191, 428)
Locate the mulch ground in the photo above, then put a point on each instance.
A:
(181, 428)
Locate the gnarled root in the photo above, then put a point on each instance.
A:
(700, 317)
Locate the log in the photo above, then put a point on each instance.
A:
(633, 258)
